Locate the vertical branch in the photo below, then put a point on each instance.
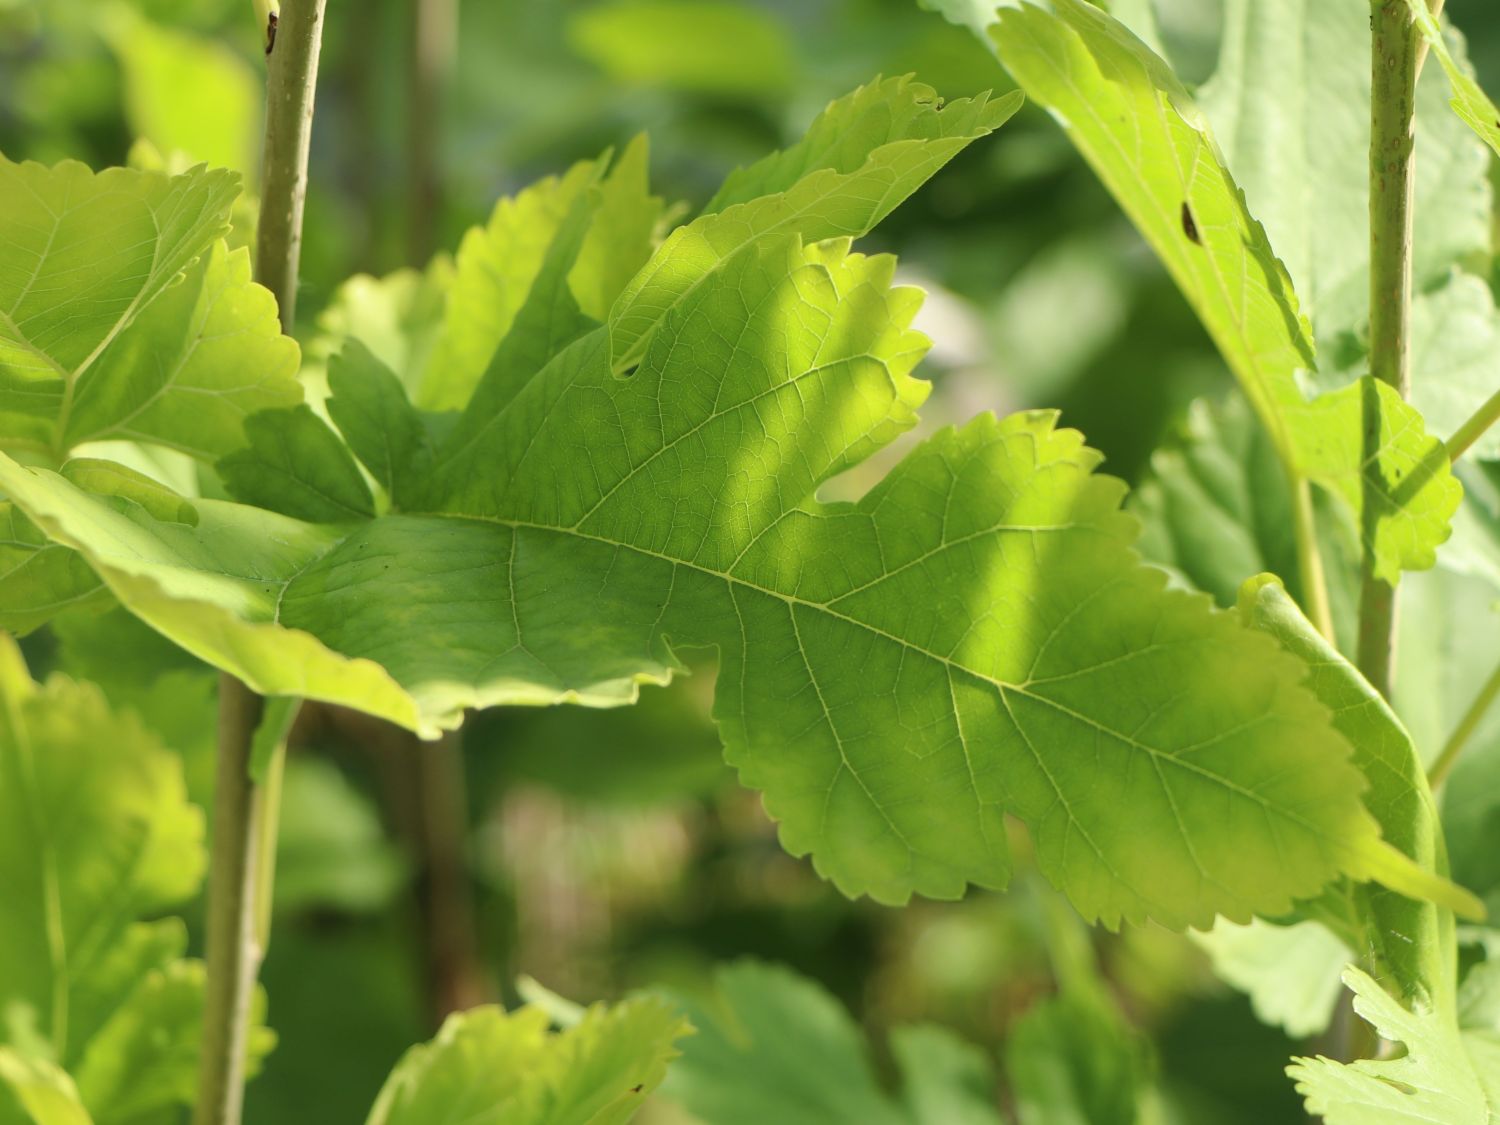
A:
(291, 75)
(432, 36)
(231, 914)
(240, 815)
(1393, 84)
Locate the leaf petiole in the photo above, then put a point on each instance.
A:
(1474, 428)
(1442, 766)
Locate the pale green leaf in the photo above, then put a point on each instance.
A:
(1290, 110)
(1138, 127)
(95, 831)
(773, 1046)
(1291, 973)
(1470, 102)
(145, 1058)
(398, 317)
(714, 47)
(122, 315)
(42, 1091)
(110, 478)
(861, 158)
(1446, 1075)
(492, 1067)
(187, 93)
(1455, 356)
(298, 466)
(39, 578)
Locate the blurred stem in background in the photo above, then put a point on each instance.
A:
(240, 812)
(433, 41)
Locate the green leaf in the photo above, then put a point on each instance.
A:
(1217, 511)
(187, 93)
(1455, 356)
(39, 578)
(332, 852)
(298, 466)
(1291, 973)
(1071, 1061)
(1138, 127)
(145, 1058)
(491, 1066)
(860, 159)
(1409, 938)
(369, 406)
(706, 46)
(1470, 102)
(1290, 110)
(123, 315)
(398, 317)
(498, 265)
(1446, 1075)
(110, 478)
(891, 671)
(42, 1091)
(95, 831)
(773, 1046)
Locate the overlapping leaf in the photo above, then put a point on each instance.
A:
(974, 638)
(1446, 1074)
(1138, 127)
(491, 1067)
(1470, 102)
(122, 315)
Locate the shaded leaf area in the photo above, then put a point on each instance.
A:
(1472, 105)
(975, 637)
(123, 315)
(1137, 126)
(487, 1065)
(1448, 1072)
(96, 834)
(773, 1046)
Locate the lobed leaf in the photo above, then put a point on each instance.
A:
(972, 639)
(1446, 1074)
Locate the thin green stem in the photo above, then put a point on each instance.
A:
(1470, 432)
(1310, 560)
(1443, 765)
(242, 816)
(1392, 178)
(232, 963)
(292, 74)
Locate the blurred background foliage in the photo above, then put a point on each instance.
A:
(600, 852)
